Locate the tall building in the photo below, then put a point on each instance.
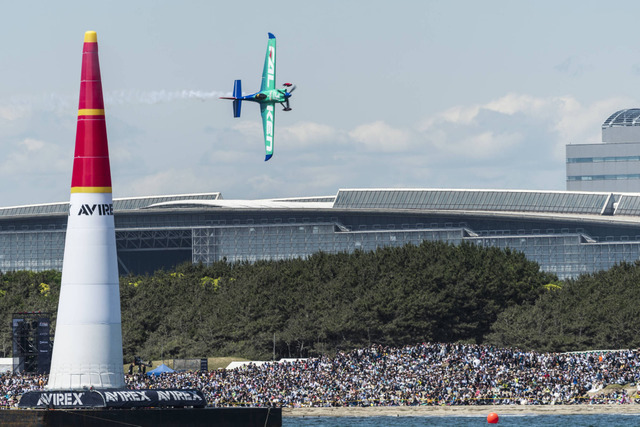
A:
(613, 165)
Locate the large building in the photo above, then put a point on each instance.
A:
(566, 232)
(613, 165)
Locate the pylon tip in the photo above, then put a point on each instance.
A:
(90, 37)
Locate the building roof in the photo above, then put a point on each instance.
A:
(312, 203)
(119, 204)
(475, 200)
(596, 204)
(627, 117)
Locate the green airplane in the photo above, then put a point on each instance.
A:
(267, 97)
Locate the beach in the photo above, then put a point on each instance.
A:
(421, 411)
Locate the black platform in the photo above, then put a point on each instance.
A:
(271, 417)
(171, 407)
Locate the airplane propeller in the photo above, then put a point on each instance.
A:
(288, 88)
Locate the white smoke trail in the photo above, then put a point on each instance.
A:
(156, 97)
(17, 107)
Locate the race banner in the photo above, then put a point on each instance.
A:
(153, 398)
(62, 399)
(113, 399)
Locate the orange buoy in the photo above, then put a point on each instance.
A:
(492, 418)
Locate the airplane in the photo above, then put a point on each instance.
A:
(267, 97)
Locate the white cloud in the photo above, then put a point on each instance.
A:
(171, 181)
(21, 107)
(458, 115)
(307, 133)
(515, 103)
(32, 144)
(121, 154)
(483, 145)
(11, 113)
(514, 141)
(248, 127)
(263, 183)
(223, 156)
(33, 156)
(518, 120)
(576, 123)
(379, 136)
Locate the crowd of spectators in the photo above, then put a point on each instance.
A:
(12, 386)
(425, 374)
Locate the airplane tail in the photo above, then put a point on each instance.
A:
(237, 98)
(237, 94)
(237, 105)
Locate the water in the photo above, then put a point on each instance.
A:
(455, 421)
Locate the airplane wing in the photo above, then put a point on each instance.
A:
(269, 70)
(268, 120)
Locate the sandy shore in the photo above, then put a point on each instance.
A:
(417, 411)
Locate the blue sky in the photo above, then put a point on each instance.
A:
(427, 94)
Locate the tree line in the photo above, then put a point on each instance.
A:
(328, 302)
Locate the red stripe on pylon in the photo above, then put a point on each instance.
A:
(91, 159)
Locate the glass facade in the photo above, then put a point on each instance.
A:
(567, 233)
(626, 117)
(629, 205)
(474, 200)
(603, 159)
(567, 255)
(611, 177)
(287, 241)
(31, 250)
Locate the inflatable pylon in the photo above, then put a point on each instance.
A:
(87, 348)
